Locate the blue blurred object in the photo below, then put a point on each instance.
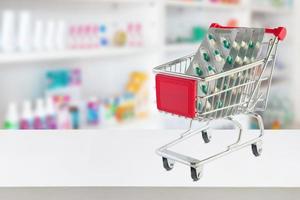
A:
(75, 117)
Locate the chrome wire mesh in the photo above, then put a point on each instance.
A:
(229, 93)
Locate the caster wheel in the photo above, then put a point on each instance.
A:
(168, 164)
(196, 174)
(206, 136)
(256, 149)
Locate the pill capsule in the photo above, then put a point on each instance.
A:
(212, 40)
(239, 60)
(218, 56)
(243, 44)
(200, 106)
(206, 57)
(235, 45)
(199, 71)
(251, 45)
(207, 106)
(204, 88)
(219, 104)
(226, 44)
(246, 60)
(225, 86)
(257, 45)
(211, 70)
(229, 60)
(217, 90)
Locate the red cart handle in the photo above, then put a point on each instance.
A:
(279, 32)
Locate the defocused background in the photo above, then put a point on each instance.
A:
(88, 63)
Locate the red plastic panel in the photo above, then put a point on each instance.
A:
(176, 95)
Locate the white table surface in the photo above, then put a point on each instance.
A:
(113, 158)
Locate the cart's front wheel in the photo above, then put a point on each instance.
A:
(196, 173)
(257, 149)
(168, 164)
(206, 136)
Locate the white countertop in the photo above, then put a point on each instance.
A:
(114, 158)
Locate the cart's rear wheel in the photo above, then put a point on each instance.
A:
(256, 149)
(196, 173)
(168, 164)
(206, 136)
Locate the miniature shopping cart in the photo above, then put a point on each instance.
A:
(245, 89)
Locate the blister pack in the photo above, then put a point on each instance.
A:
(244, 46)
(259, 32)
(222, 50)
(234, 50)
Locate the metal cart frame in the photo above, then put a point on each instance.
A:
(245, 88)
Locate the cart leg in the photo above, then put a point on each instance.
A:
(206, 136)
(168, 163)
(240, 128)
(257, 146)
(196, 173)
(204, 132)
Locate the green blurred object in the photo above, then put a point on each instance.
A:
(10, 125)
(277, 3)
(198, 33)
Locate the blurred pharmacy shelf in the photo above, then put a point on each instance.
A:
(155, 18)
(271, 10)
(201, 4)
(7, 58)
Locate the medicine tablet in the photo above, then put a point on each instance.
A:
(212, 40)
(218, 56)
(199, 71)
(239, 60)
(226, 44)
(204, 88)
(257, 45)
(243, 44)
(251, 45)
(206, 57)
(229, 60)
(211, 69)
(246, 60)
(235, 45)
(200, 106)
(219, 104)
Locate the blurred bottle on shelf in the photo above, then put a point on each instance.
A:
(75, 116)
(12, 117)
(63, 118)
(50, 118)
(93, 117)
(59, 36)
(24, 31)
(39, 115)
(50, 35)
(38, 33)
(26, 120)
(8, 31)
(28, 33)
